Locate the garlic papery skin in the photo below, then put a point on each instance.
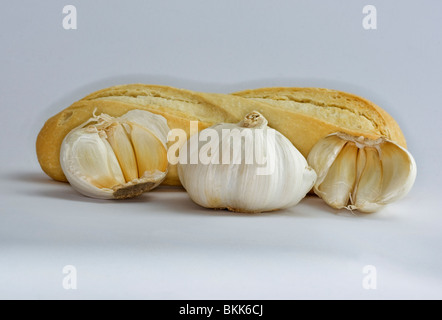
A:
(116, 157)
(270, 175)
(362, 174)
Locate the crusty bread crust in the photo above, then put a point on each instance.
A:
(303, 115)
(331, 106)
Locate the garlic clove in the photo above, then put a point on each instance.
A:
(122, 147)
(360, 165)
(324, 154)
(115, 158)
(369, 184)
(149, 150)
(155, 123)
(90, 164)
(96, 161)
(340, 179)
(399, 172)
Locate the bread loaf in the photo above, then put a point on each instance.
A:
(303, 115)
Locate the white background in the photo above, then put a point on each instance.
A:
(161, 245)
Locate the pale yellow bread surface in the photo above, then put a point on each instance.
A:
(312, 114)
(335, 108)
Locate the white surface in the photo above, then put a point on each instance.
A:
(161, 245)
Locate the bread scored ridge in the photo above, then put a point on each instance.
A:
(338, 108)
(303, 115)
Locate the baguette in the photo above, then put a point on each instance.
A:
(303, 115)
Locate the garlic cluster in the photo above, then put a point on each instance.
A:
(245, 167)
(360, 173)
(116, 158)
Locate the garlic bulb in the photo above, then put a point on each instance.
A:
(259, 171)
(116, 158)
(360, 173)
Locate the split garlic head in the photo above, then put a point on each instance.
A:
(362, 174)
(244, 167)
(116, 158)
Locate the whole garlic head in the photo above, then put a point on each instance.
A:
(259, 171)
(116, 158)
(358, 173)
